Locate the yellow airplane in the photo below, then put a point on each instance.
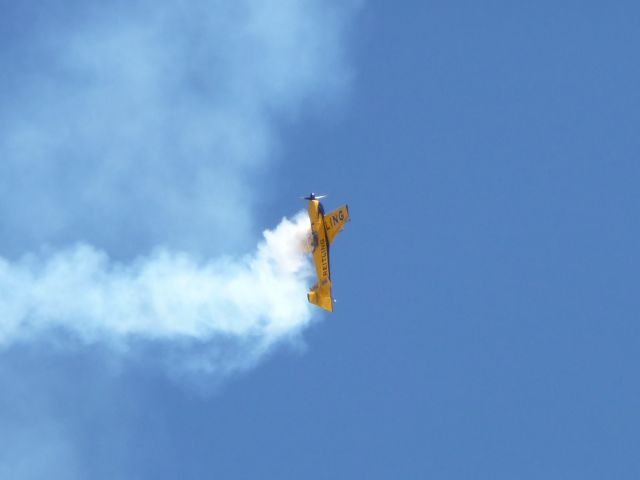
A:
(324, 229)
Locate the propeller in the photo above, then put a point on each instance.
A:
(313, 196)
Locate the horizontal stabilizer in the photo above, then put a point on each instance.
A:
(321, 296)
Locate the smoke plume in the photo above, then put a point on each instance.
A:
(132, 137)
(245, 304)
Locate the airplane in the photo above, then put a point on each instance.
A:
(324, 229)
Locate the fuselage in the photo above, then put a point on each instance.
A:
(320, 242)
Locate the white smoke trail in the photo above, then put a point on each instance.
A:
(146, 126)
(247, 304)
(143, 130)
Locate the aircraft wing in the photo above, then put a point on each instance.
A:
(335, 221)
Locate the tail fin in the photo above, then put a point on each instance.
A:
(321, 296)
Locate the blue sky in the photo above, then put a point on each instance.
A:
(486, 324)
